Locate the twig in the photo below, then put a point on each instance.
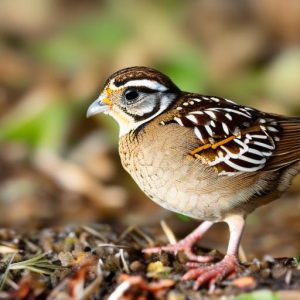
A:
(120, 290)
(94, 232)
(242, 254)
(139, 232)
(5, 274)
(91, 289)
(124, 263)
(111, 245)
(168, 232)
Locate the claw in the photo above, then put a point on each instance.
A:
(212, 274)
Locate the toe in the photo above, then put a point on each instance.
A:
(192, 274)
(197, 258)
(210, 277)
(152, 250)
(211, 274)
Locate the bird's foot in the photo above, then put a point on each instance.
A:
(183, 245)
(211, 274)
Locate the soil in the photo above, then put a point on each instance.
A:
(105, 262)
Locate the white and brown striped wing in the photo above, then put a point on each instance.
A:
(232, 138)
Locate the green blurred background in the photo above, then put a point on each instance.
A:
(57, 167)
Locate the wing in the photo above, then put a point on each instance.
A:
(232, 138)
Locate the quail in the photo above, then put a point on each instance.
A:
(202, 156)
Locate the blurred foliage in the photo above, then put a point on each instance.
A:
(104, 37)
(258, 295)
(55, 56)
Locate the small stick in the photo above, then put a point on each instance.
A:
(168, 232)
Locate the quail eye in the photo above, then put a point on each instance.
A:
(131, 95)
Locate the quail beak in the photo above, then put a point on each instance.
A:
(100, 105)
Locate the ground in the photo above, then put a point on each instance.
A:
(105, 262)
(57, 168)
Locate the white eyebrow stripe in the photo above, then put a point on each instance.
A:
(151, 84)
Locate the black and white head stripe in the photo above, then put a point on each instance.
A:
(146, 111)
(232, 138)
(143, 94)
(140, 75)
(143, 83)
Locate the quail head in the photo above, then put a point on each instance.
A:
(202, 156)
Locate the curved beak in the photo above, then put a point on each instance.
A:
(100, 105)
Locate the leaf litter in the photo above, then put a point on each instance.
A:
(106, 262)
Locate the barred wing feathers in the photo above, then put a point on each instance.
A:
(234, 138)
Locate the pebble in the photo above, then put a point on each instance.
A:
(164, 258)
(254, 267)
(136, 266)
(174, 295)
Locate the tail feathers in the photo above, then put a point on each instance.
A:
(288, 147)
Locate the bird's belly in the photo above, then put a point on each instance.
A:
(161, 168)
(179, 193)
(177, 185)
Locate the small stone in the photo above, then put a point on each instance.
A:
(157, 270)
(174, 295)
(254, 267)
(247, 282)
(269, 258)
(136, 266)
(182, 257)
(288, 277)
(66, 259)
(164, 258)
(264, 265)
(112, 263)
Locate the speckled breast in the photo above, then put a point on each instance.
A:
(157, 161)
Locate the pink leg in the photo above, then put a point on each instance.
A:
(228, 265)
(186, 244)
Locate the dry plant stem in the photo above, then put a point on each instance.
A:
(186, 244)
(228, 265)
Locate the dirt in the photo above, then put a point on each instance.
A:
(104, 262)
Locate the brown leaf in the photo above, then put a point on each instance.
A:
(247, 282)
